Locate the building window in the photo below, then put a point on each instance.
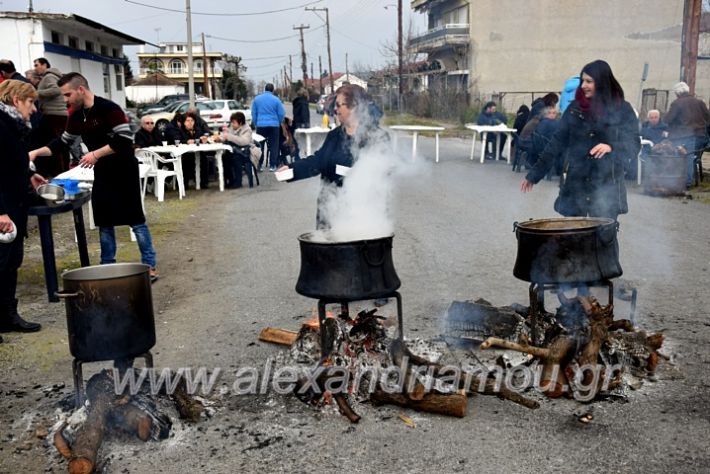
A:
(74, 42)
(56, 37)
(116, 53)
(198, 66)
(107, 79)
(177, 67)
(179, 48)
(155, 65)
(104, 50)
(118, 71)
(89, 46)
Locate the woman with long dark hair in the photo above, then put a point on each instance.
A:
(597, 134)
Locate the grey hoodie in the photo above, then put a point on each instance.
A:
(50, 96)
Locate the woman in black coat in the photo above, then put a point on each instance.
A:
(598, 133)
(359, 126)
(16, 105)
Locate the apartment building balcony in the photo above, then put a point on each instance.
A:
(452, 34)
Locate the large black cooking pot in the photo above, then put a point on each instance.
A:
(567, 250)
(109, 311)
(346, 271)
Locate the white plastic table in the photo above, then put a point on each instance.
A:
(483, 131)
(416, 129)
(308, 133)
(179, 150)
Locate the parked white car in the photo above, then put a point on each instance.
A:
(161, 119)
(222, 110)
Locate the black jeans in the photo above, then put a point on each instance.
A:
(272, 142)
(238, 161)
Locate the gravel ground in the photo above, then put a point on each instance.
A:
(229, 266)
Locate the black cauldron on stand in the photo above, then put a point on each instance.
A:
(341, 272)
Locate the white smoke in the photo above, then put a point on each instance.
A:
(363, 207)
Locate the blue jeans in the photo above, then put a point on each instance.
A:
(107, 238)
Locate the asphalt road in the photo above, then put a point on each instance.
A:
(231, 271)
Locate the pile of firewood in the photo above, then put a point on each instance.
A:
(572, 358)
(362, 341)
(107, 412)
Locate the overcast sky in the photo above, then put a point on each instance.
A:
(357, 27)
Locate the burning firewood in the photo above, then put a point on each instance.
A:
(554, 357)
(61, 443)
(188, 408)
(444, 404)
(101, 395)
(278, 336)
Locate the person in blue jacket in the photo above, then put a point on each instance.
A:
(267, 113)
(490, 116)
(568, 92)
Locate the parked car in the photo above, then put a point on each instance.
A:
(164, 103)
(161, 119)
(320, 105)
(222, 110)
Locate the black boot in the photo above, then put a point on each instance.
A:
(10, 320)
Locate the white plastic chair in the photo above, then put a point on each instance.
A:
(153, 159)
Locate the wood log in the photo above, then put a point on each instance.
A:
(132, 420)
(188, 408)
(505, 393)
(444, 404)
(554, 359)
(61, 443)
(101, 395)
(398, 352)
(345, 408)
(540, 352)
(278, 336)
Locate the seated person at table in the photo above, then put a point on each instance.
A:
(490, 116)
(239, 135)
(191, 134)
(147, 135)
(654, 128)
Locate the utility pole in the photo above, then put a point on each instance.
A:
(691, 33)
(320, 76)
(30, 9)
(304, 67)
(312, 76)
(347, 71)
(327, 30)
(204, 68)
(399, 53)
(290, 69)
(190, 73)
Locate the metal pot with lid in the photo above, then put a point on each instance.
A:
(567, 250)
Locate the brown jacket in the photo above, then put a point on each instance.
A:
(687, 117)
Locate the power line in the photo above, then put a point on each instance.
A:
(265, 57)
(175, 10)
(282, 38)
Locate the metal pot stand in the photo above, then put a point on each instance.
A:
(121, 364)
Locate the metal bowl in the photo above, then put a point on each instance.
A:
(51, 193)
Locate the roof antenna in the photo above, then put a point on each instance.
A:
(30, 9)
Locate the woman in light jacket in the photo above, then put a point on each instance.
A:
(239, 135)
